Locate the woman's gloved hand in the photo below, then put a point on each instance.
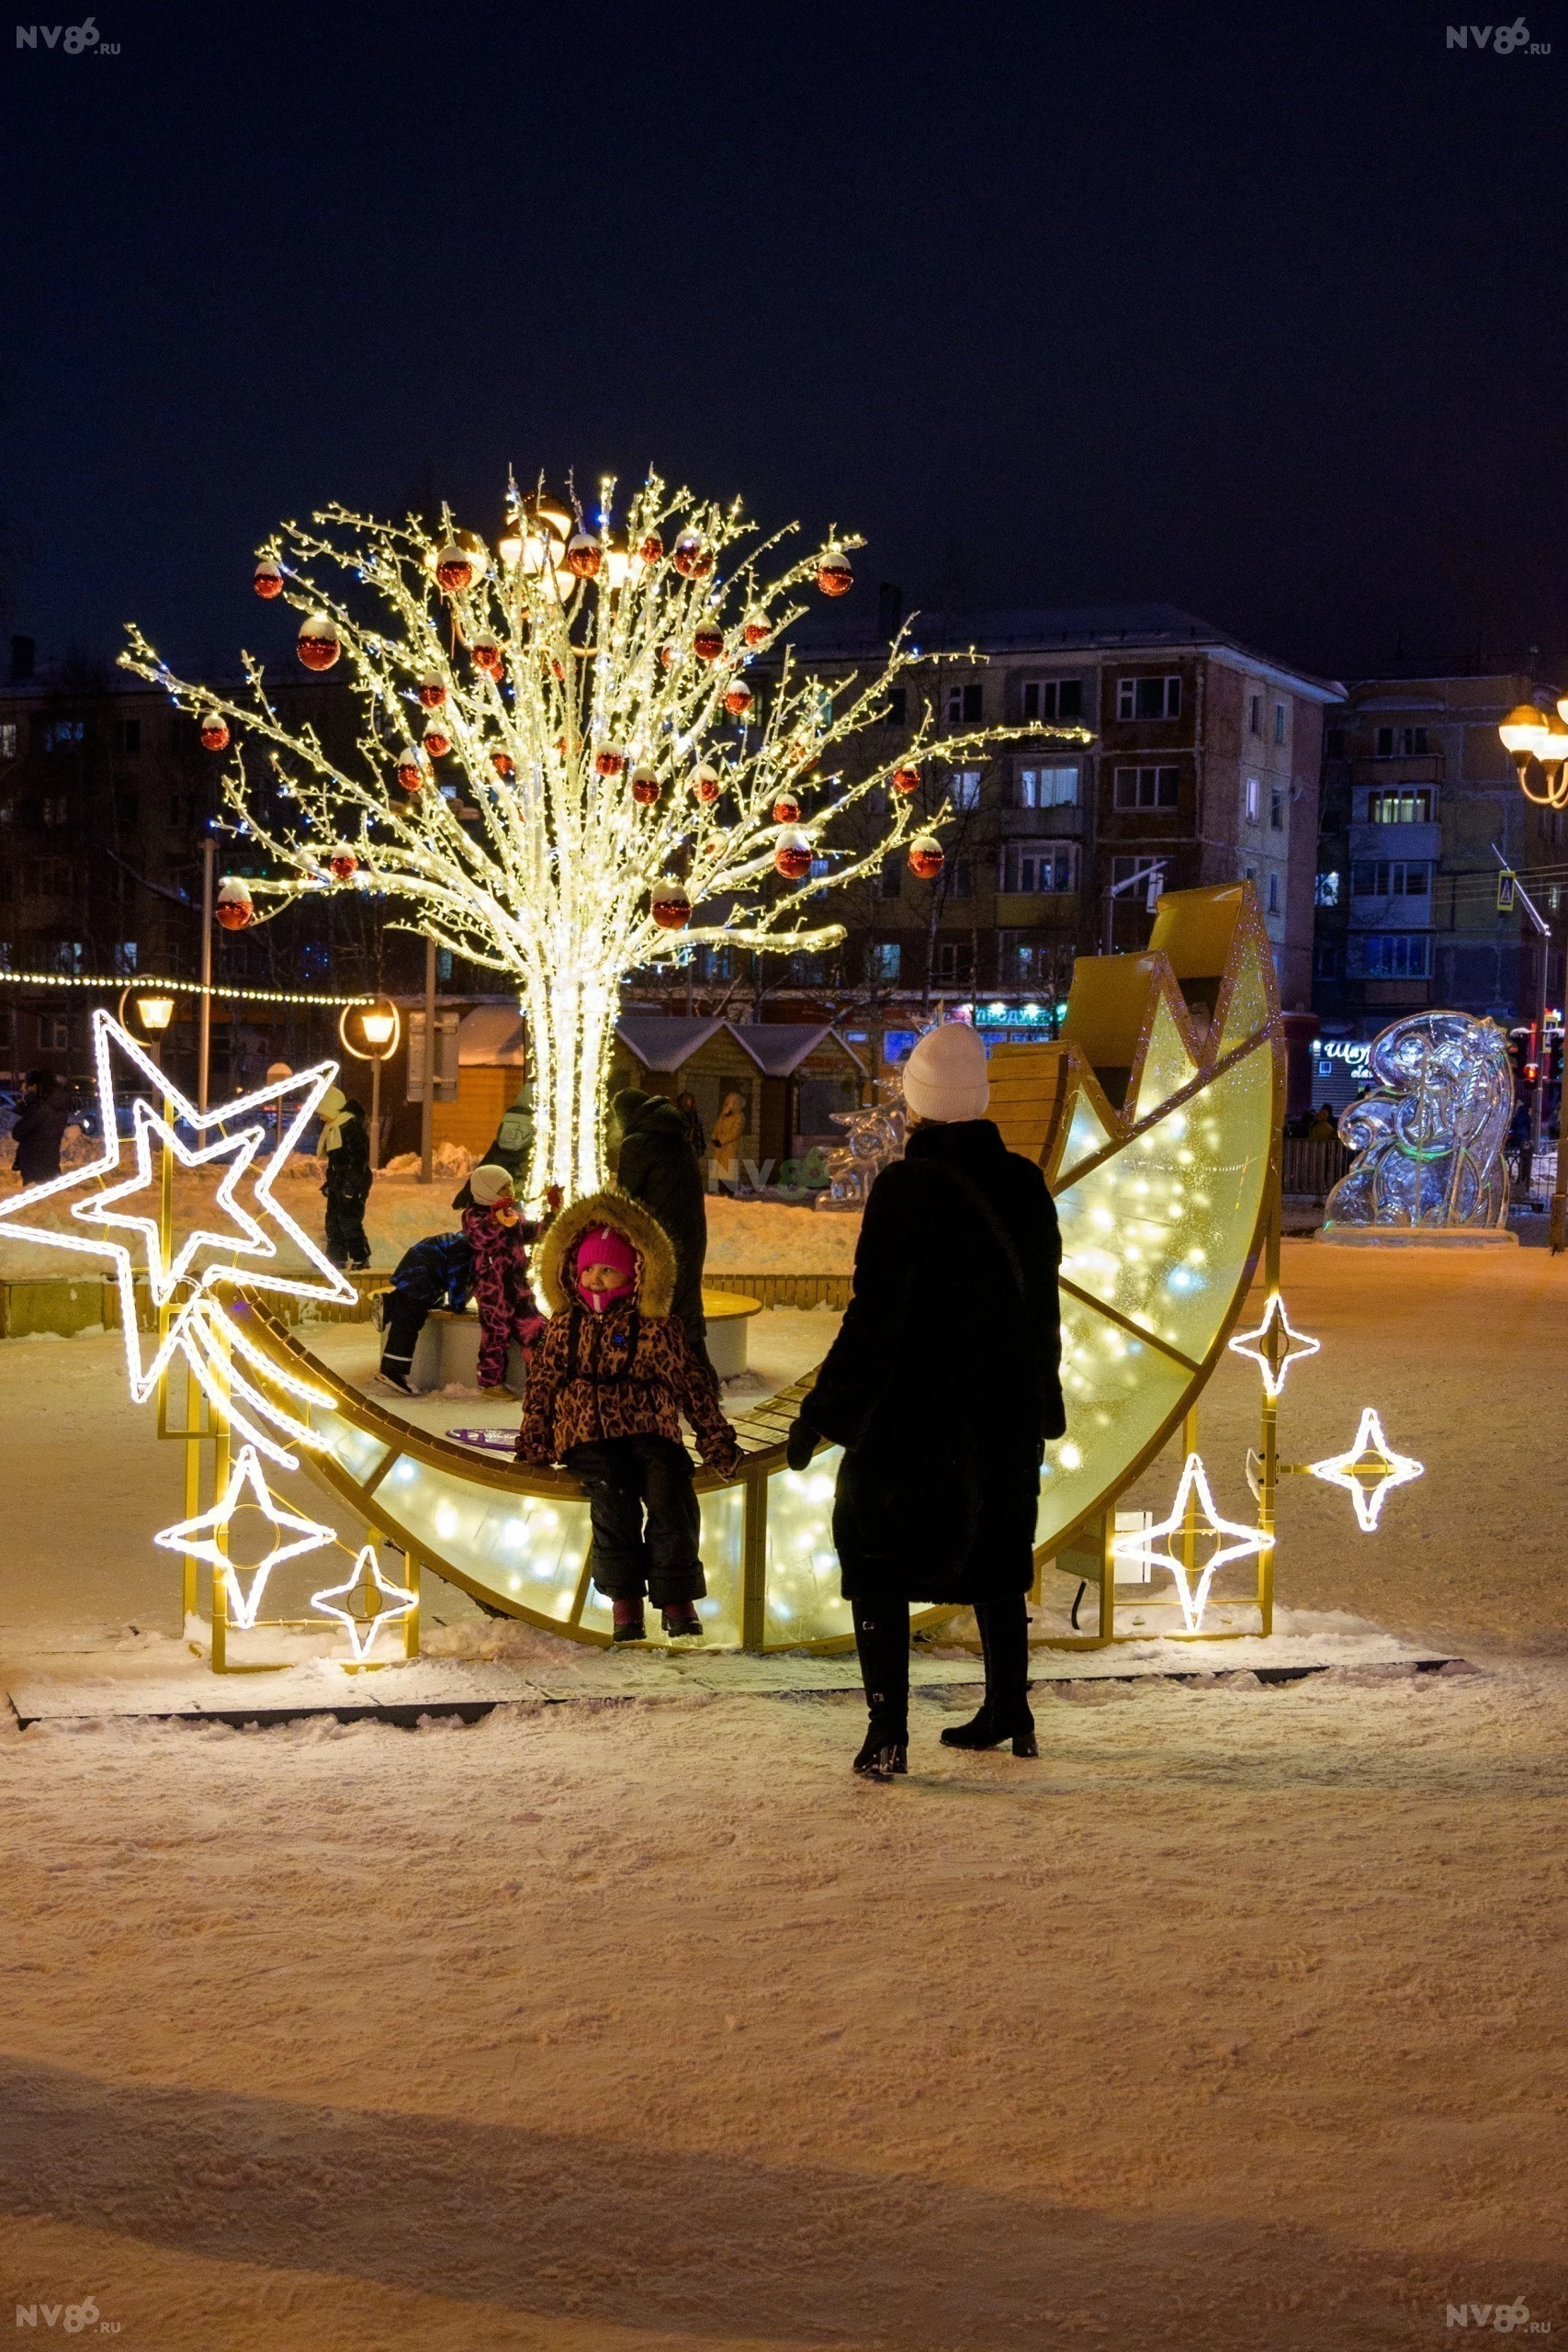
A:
(800, 1444)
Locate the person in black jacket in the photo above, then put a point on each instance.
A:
(345, 1147)
(44, 1117)
(438, 1270)
(658, 1167)
(943, 1413)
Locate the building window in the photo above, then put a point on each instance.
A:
(1325, 960)
(1032, 866)
(964, 788)
(889, 882)
(895, 710)
(1279, 722)
(62, 733)
(1133, 870)
(1400, 807)
(8, 740)
(952, 962)
(1249, 800)
(443, 965)
(1401, 742)
(1148, 697)
(1047, 787)
(54, 1032)
(1273, 894)
(1276, 810)
(128, 737)
(124, 957)
(1391, 955)
(887, 955)
(1255, 714)
(718, 964)
(1391, 878)
(1325, 892)
(1053, 698)
(963, 883)
(55, 808)
(963, 702)
(1148, 788)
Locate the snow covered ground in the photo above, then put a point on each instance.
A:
(617, 2024)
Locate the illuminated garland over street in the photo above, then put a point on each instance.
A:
(563, 769)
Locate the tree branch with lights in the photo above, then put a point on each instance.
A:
(564, 772)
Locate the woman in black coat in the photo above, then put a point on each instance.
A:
(943, 1386)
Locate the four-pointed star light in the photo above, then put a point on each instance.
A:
(205, 1536)
(362, 1625)
(1142, 1547)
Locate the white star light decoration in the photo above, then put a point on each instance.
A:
(1142, 1547)
(199, 1330)
(1368, 1471)
(200, 1536)
(362, 1629)
(1274, 1347)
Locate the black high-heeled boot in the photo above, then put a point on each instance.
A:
(882, 1755)
(881, 1639)
(1004, 1712)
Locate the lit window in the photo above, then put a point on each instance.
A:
(1400, 807)
(887, 955)
(1047, 787)
(1327, 890)
(8, 740)
(1034, 865)
(1249, 800)
(964, 789)
(1391, 955)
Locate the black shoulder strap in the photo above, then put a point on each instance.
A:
(992, 1222)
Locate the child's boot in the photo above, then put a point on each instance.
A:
(627, 1617)
(681, 1623)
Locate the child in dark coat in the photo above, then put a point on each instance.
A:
(437, 1271)
(495, 1231)
(607, 1384)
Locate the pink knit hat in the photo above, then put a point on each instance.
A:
(603, 1245)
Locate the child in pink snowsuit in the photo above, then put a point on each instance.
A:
(495, 1230)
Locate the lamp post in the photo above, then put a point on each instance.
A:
(1539, 738)
(380, 1026)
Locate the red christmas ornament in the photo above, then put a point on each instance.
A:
(412, 771)
(834, 577)
(318, 644)
(488, 657)
(437, 741)
(214, 731)
(503, 764)
(707, 643)
(792, 856)
(688, 556)
(267, 579)
(738, 697)
(583, 557)
(454, 567)
(757, 628)
(670, 908)
(609, 762)
(645, 787)
(786, 809)
(707, 784)
(904, 778)
(343, 866)
(432, 690)
(652, 548)
(233, 909)
(927, 857)
(667, 654)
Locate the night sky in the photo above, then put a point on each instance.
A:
(1260, 310)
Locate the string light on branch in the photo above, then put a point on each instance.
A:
(1368, 1471)
(152, 987)
(1274, 1346)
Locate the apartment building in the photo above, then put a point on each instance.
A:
(1200, 765)
(1420, 812)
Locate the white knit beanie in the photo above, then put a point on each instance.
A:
(944, 1077)
(490, 1183)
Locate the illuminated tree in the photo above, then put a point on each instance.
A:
(564, 773)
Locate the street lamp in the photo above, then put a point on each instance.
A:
(380, 1026)
(155, 1013)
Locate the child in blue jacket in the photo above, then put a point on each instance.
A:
(437, 1271)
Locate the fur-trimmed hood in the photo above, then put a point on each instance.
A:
(656, 1285)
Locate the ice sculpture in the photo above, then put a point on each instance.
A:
(874, 1138)
(1430, 1138)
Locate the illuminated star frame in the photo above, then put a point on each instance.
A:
(1141, 1546)
(361, 1630)
(199, 1330)
(1368, 1471)
(1274, 1347)
(198, 1537)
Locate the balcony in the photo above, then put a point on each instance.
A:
(1397, 767)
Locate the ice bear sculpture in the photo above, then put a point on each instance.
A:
(1430, 1138)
